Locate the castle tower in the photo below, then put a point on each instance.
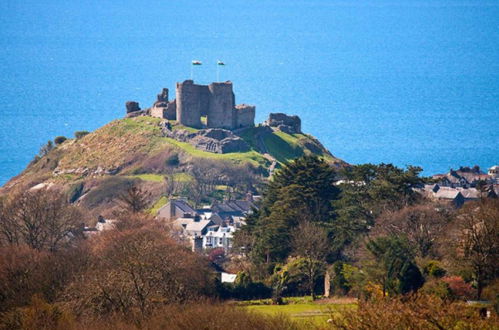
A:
(221, 105)
(188, 104)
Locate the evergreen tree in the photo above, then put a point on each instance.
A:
(394, 266)
(301, 191)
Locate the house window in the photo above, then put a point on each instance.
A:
(220, 241)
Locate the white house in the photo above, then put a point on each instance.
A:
(219, 237)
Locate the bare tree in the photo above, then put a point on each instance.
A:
(310, 242)
(137, 270)
(134, 199)
(479, 241)
(41, 219)
(423, 225)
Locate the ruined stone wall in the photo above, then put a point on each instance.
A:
(163, 96)
(158, 112)
(188, 104)
(244, 116)
(171, 111)
(163, 108)
(221, 105)
(288, 124)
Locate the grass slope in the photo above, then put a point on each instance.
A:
(135, 148)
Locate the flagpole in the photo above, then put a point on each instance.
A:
(219, 63)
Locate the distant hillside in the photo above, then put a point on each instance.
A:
(136, 149)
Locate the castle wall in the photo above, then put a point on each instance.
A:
(221, 105)
(189, 104)
(163, 96)
(164, 110)
(171, 110)
(158, 112)
(204, 99)
(244, 116)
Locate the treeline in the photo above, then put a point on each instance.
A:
(362, 231)
(370, 234)
(129, 271)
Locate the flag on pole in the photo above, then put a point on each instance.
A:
(220, 62)
(196, 62)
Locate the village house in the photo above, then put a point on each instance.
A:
(208, 227)
(219, 236)
(176, 208)
(466, 177)
(456, 196)
(101, 225)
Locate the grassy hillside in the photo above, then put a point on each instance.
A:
(135, 150)
(285, 147)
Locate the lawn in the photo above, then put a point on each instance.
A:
(302, 308)
(149, 177)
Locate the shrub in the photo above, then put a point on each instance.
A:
(200, 316)
(244, 288)
(411, 312)
(434, 269)
(459, 288)
(46, 148)
(172, 160)
(247, 291)
(25, 272)
(75, 192)
(38, 315)
(355, 280)
(59, 140)
(491, 292)
(80, 134)
(437, 288)
(107, 190)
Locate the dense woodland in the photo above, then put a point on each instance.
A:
(362, 228)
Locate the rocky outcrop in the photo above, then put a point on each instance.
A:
(285, 123)
(216, 140)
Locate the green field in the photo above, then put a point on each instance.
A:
(179, 177)
(301, 309)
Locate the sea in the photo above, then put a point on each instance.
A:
(408, 82)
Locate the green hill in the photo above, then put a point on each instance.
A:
(136, 150)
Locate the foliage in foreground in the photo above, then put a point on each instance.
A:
(41, 315)
(413, 312)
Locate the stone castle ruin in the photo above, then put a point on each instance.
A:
(215, 103)
(212, 109)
